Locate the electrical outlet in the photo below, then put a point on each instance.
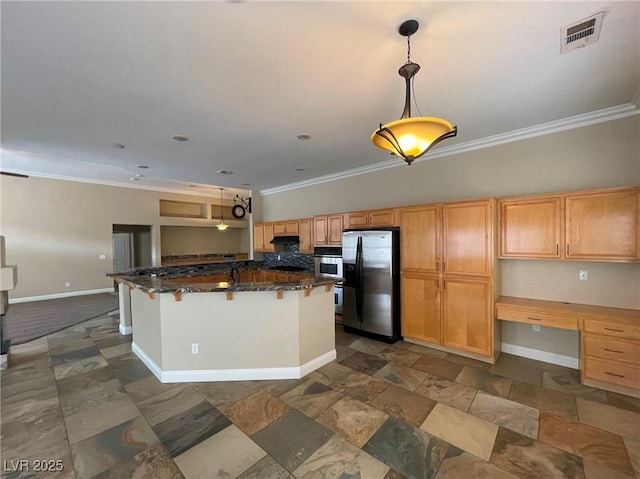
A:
(535, 327)
(583, 275)
(103, 256)
(194, 348)
(66, 285)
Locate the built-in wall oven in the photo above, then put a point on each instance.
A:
(328, 264)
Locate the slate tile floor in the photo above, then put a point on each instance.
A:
(402, 411)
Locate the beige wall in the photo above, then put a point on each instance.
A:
(597, 156)
(56, 230)
(177, 240)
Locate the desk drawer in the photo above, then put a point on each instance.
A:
(613, 349)
(612, 372)
(532, 317)
(620, 330)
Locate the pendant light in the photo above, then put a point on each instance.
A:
(221, 226)
(408, 137)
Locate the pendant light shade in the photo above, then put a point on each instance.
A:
(221, 226)
(408, 137)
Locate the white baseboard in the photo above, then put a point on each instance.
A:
(124, 330)
(60, 295)
(210, 375)
(544, 356)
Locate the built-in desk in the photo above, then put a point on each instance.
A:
(609, 337)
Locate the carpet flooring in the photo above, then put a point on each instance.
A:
(27, 321)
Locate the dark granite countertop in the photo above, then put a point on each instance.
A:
(157, 284)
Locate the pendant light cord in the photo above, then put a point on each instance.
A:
(413, 87)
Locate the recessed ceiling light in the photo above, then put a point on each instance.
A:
(303, 136)
(144, 167)
(118, 146)
(299, 168)
(140, 175)
(134, 179)
(180, 138)
(224, 172)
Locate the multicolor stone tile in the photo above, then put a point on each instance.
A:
(484, 381)
(181, 432)
(569, 383)
(168, 403)
(365, 363)
(221, 394)
(407, 378)
(90, 389)
(399, 356)
(460, 429)
(618, 421)
(339, 458)
(588, 442)
(437, 367)
(506, 413)
(226, 454)
(412, 453)
(458, 464)
(266, 467)
(256, 411)
(311, 398)
(369, 346)
(330, 373)
(403, 404)
(530, 459)
(452, 394)
(511, 367)
(547, 400)
(353, 420)
(360, 386)
(292, 438)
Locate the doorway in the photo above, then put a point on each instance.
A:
(131, 247)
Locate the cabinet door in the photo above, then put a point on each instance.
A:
(468, 238)
(258, 237)
(279, 228)
(320, 230)
(291, 227)
(268, 236)
(383, 218)
(269, 276)
(420, 238)
(531, 228)
(280, 276)
(467, 315)
(356, 220)
(335, 229)
(421, 307)
(603, 226)
(304, 227)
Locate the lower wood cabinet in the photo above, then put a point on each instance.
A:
(453, 312)
(421, 318)
(467, 311)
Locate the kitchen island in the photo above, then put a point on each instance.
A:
(187, 329)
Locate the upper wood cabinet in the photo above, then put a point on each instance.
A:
(603, 225)
(531, 228)
(305, 230)
(262, 236)
(328, 230)
(597, 225)
(284, 228)
(467, 232)
(420, 238)
(372, 218)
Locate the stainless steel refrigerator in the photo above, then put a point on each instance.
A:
(371, 268)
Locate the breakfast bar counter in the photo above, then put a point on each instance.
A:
(189, 329)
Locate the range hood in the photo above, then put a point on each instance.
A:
(285, 240)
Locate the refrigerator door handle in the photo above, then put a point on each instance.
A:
(359, 279)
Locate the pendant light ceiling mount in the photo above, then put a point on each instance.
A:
(408, 137)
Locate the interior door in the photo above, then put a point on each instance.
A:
(122, 251)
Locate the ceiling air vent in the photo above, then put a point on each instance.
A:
(582, 33)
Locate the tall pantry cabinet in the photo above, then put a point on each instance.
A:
(449, 275)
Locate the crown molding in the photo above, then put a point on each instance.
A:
(578, 121)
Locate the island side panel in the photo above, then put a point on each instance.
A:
(254, 330)
(317, 327)
(147, 329)
(124, 306)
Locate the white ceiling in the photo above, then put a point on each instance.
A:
(243, 79)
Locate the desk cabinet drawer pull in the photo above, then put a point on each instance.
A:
(616, 330)
(613, 350)
(613, 374)
(535, 319)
